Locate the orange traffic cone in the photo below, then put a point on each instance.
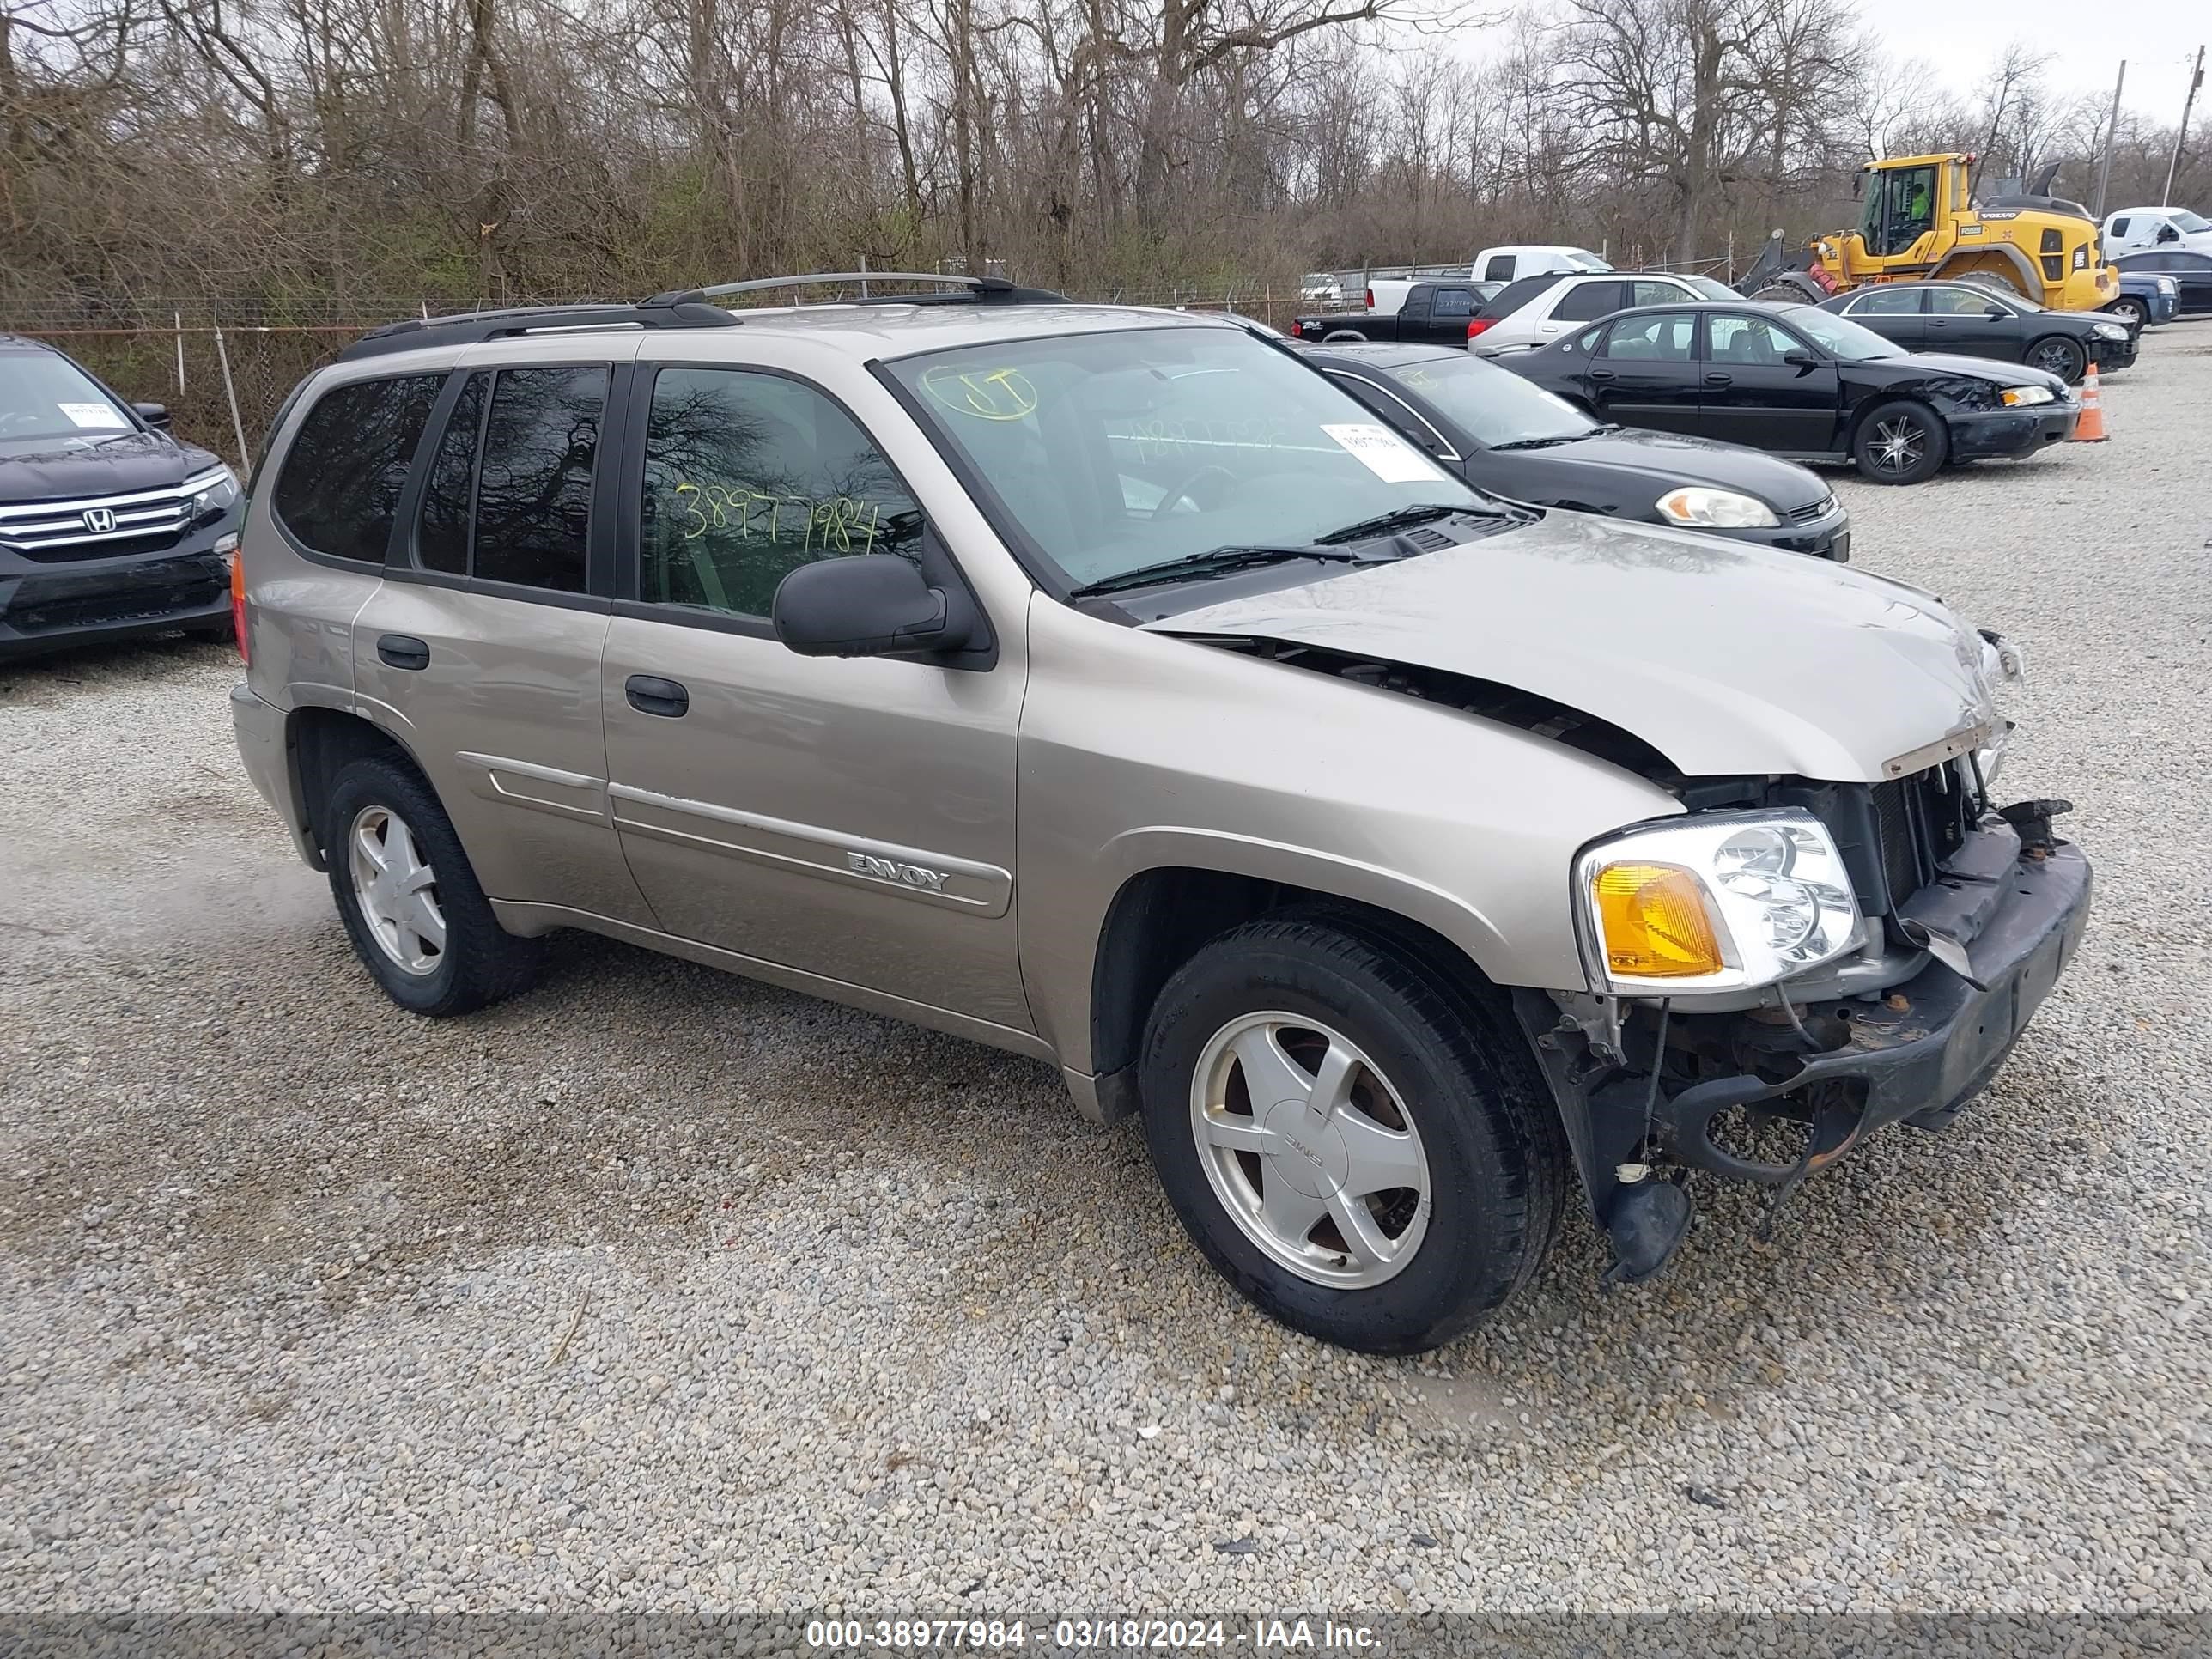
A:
(2090, 428)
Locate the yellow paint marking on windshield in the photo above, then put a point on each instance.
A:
(836, 521)
(994, 394)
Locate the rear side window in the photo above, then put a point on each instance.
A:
(1511, 298)
(1585, 302)
(1892, 302)
(1454, 302)
(2119, 227)
(1500, 270)
(341, 479)
(510, 495)
(1663, 339)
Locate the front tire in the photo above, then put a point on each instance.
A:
(1357, 1140)
(2131, 311)
(1901, 442)
(2059, 355)
(409, 899)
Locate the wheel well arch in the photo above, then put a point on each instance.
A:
(321, 741)
(1159, 918)
(1998, 258)
(1794, 282)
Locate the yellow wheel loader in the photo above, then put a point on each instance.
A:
(1918, 221)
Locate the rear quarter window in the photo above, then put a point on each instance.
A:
(340, 482)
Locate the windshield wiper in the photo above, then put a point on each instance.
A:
(1214, 561)
(1546, 443)
(1404, 517)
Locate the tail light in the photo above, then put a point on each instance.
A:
(1370, 299)
(228, 547)
(1475, 326)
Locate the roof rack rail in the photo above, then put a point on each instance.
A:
(964, 290)
(468, 327)
(687, 308)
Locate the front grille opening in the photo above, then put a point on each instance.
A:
(122, 547)
(1920, 821)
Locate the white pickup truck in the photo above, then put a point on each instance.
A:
(1498, 265)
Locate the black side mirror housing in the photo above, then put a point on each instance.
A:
(154, 415)
(873, 605)
(1996, 313)
(1800, 360)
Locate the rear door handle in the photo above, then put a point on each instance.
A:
(1719, 377)
(651, 695)
(403, 650)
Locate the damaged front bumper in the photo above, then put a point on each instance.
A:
(2008, 911)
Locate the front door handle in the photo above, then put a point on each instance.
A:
(403, 650)
(1720, 377)
(1601, 374)
(651, 695)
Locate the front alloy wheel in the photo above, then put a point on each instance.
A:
(1351, 1129)
(1901, 443)
(2064, 358)
(1309, 1149)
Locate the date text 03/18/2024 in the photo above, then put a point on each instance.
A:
(1088, 1634)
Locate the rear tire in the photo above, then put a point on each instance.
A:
(2056, 355)
(409, 899)
(1901, 442)
(1418, 1199)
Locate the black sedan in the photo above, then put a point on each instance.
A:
(1799, 381)
(1509, 438)
(2191, 274)
(1977, 321)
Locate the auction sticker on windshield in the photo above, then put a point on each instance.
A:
(92, 415)
(1382, 452)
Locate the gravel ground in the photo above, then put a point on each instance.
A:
(661, 1290)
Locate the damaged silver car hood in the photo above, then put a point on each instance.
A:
(1726, 658)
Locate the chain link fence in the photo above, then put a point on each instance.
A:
(223, 372)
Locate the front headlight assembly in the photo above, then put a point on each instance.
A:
(212, 492)
(2019, 397)
(2168, 285)
(1713, 902)
(2111, 331)
(1699, 508)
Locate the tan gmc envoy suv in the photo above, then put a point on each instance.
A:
(1106, 685)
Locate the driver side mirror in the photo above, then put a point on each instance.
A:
(1800, 360)
(1995, 314)
(872, 604)
(154, 415)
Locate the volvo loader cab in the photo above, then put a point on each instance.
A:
(1919, 219)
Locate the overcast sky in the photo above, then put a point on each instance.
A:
(1958, 38)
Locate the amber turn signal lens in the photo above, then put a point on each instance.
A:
(1654, 923)
(229, 547)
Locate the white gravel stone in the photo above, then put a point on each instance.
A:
(656, 1289)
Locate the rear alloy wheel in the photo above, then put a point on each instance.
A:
(1901, 443)
(2061, 356)
(1354, 1133)
(409, 901)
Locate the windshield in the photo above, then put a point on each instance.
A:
(1495, 406)
(44, 397)
(1120, 450)
(2191, 222)
(1712, 289)
(1852, 341)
